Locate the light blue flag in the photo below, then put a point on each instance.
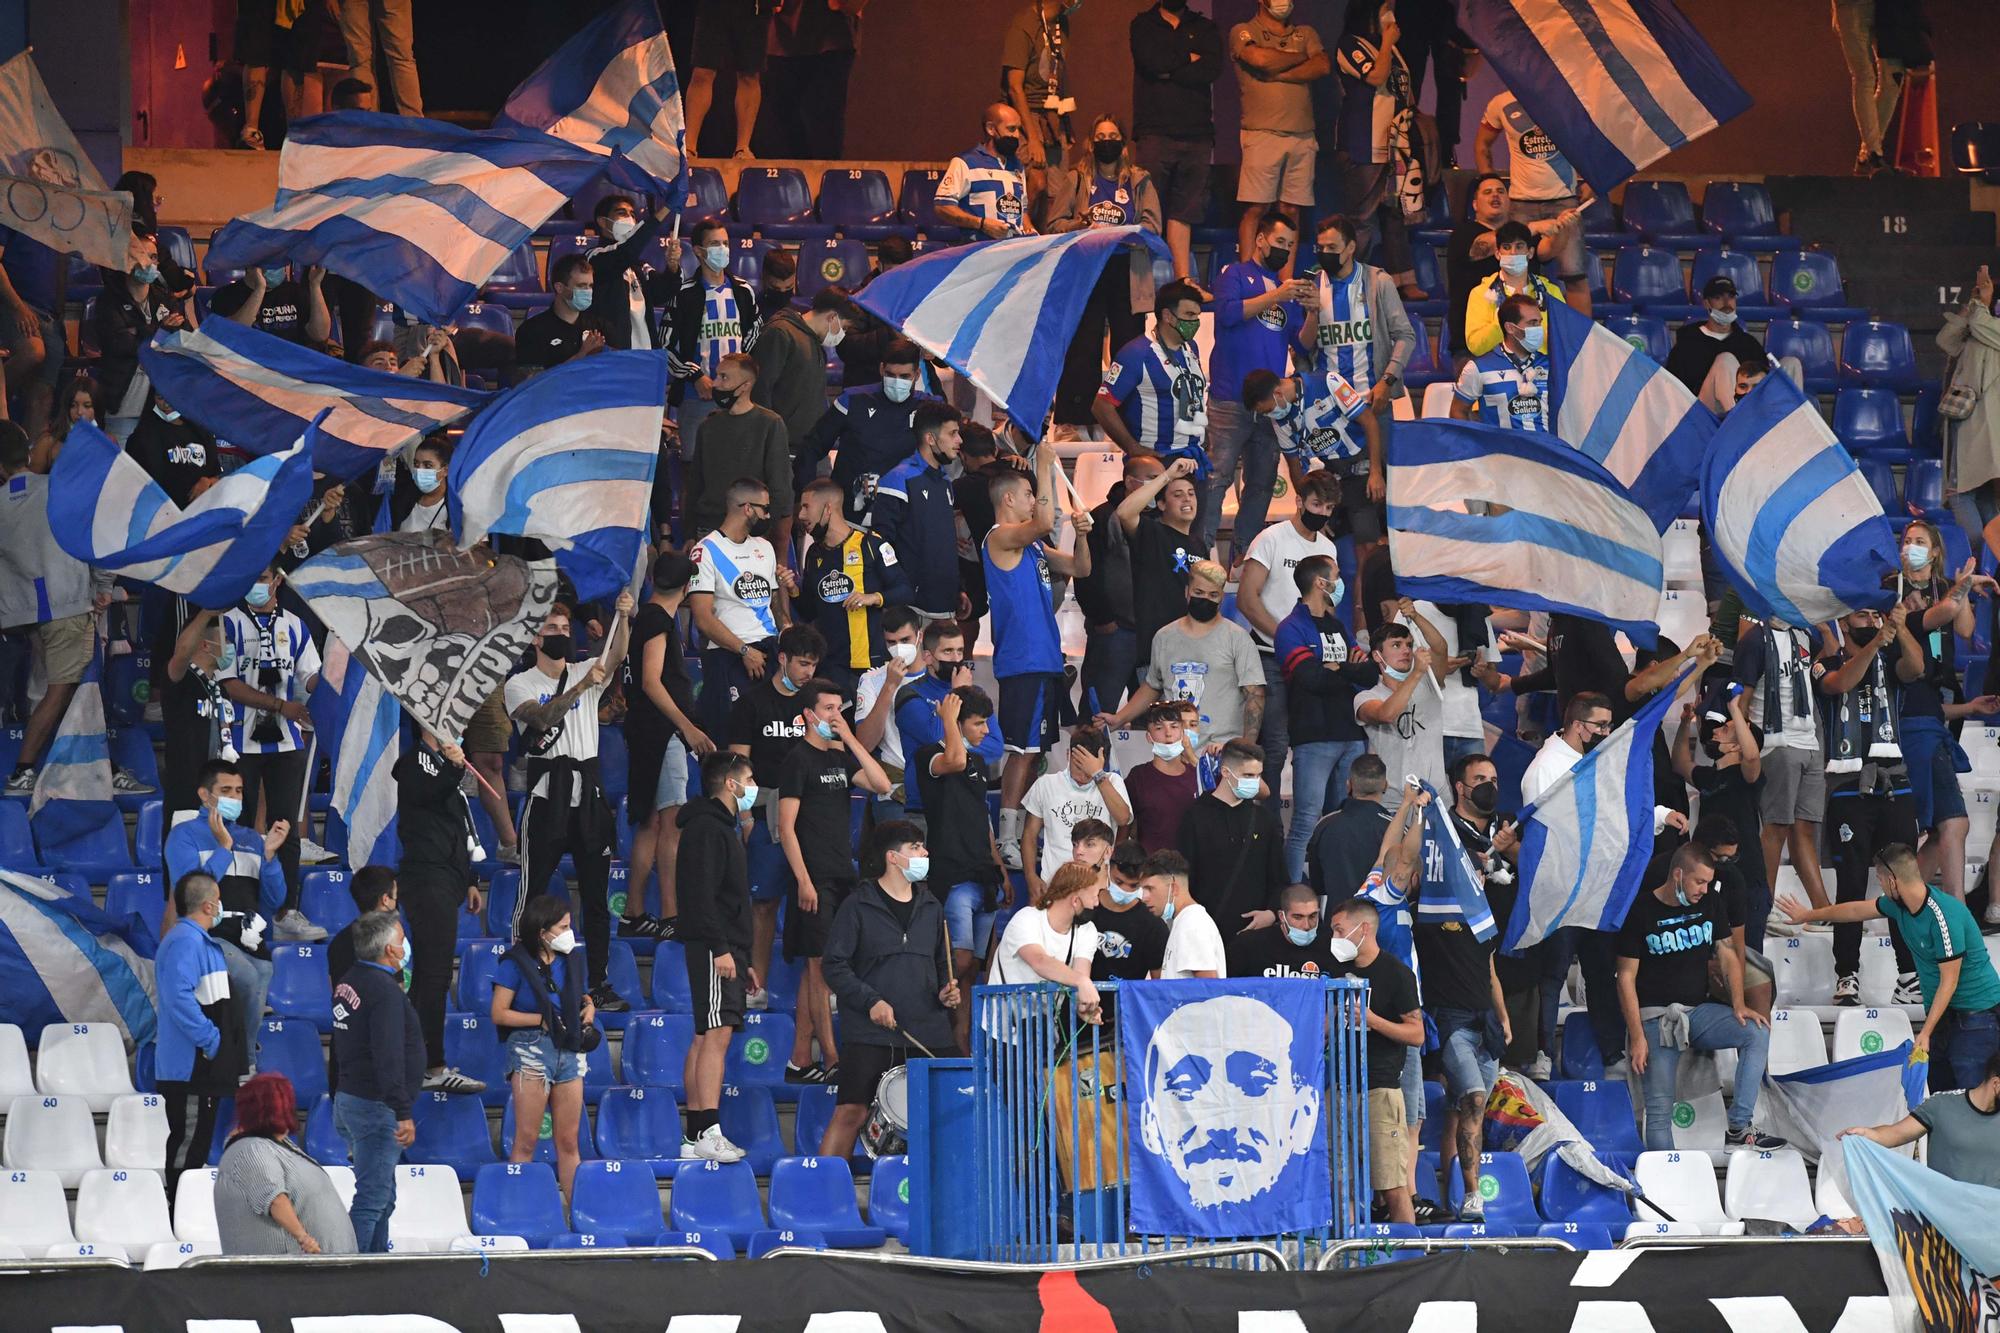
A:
(1573, 541)
(73, 793)
(611, 89)
(1621, 407)
(1451, 887)
(1001, 312)
(360, 729)
(106, 511)
(1586, 842)
(1617, 84)
(419, 212)
(568, 458)
(65, 960)
(1934, 1237)
(1795, 525)
(260, 392)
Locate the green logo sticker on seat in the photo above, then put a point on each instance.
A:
(1637, 344)
(1871, 1043)
(1683, 1115)
(903, 1189)
(1489, 1187)
(548, 1125)
(757, 1051)
(618, 904)
(1802, 281)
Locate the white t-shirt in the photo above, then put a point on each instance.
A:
(427, 518)
(1537, 171)
(867, 691)
(1554, 759)
(1030, 925)
(579, 726)
(1461, 701)
(1279, 548)
(1412, 742)
(1800, 730)
(1058, 803)
(743, 578)
(1193, 945)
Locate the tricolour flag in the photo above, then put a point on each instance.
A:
(261, 392)
(49, 189)
(1617, 84)
(1794, 523)
(1585, 844)
(360, 727)
(1001, 312)
(1622, 408)
(419, 212)
(611, 89)
(65, 960)
(568, 458)
(1573, 540)
(1933, 1236)
(106, 511)
(73, 793)
(1451, 887)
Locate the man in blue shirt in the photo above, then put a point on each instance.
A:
(1509, 386)
(917, 703)
(984, 190)
(1257, 314)
(1153, 398)
(869, 430)
(914, 513)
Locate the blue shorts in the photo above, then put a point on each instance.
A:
(533, 1052)
(1413, 1087)
(672, 788)
(966, 917)
(764, 857)
(1028, 706)
(1469, 1067)
(1933, 758)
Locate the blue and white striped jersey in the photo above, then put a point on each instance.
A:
(1346, 340)
(986, 186)
(1509, 392)
(1317, 424)
(1159, 393)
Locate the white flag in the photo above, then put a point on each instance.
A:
(48, 188)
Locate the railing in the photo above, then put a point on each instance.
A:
(1270, 1259)
(1336, 1255)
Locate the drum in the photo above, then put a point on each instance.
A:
(886, 1132)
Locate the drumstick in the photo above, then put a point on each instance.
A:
(914, 1042)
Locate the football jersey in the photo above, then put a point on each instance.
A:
(1346, 341)
(1318, 423)
(743, 577)
(1509, 392)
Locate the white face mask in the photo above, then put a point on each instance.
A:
(1344, 949)
(563, 941)
(906, 653)
(832, 337)
(622, 229)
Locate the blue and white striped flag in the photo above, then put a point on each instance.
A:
(73, 792)
(1618, 84)
(360, 727)
(419, 212)
(1585, 844)
(1622, 408)
(1573, 540)
(611, 89)
(568, 458)
(106, 511)
(1796, 526)
(64, 960)
(1001, 312)
(260, 392)
(1451, 887)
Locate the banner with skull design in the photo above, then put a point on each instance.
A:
(441, 628)
(1224, 1084)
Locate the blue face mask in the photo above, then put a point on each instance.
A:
(259, 594)
(918, 869)
(146, 272)
(746, 800)
(1166, 750)
(1394, 674)
(1339, 591)
(1681, 896)
(1123, 897)
(225, 658)
(1299, 936)
(274, 276)
(1167, 915)
(897, 389)
(825, 730)
(716, 257)
(166, 414)
(426, 478)
(1192, 737)
(1534, 337)
(230, 808)
(580, 298)
(1246, 788)
(1723, 317)
(1514, 265)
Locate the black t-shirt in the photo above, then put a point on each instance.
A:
(1130, 944)
(1696, 349)
(176, 454)
(1461, 274)
(1729, 883)
(820, 780)
(767, 722)
(188, 714)
(282, 314)
(1585, 657)
(1457, 970)
(549, 340)
(1673, 945)
(955, 813)
(1269, 952)
(1725, 791)
(1392, 992)
(642, 719)
(1161, 558)
(905, 912)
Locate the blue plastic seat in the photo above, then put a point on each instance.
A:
(860, 203)
(718, 1243)
(616, 1196)
(656, 1050)
(325, 897)
(1923, 486)
(828, 263)
(670, 979)
(1432, 1137)
(1423, 369)
(1600, 225)
(1503, 1183)
(1880, 355)
(517, 283)
(889, 1196)
(1646, 332)
(764, 1242)
(916, 203)
(97, 852)
(561, 247)
(1741, 269)
(814, 1114)
(1881, 477)
(471, 1047)
(750, 1121)
(122, 705)
(817, 1194)
(1809, 341)
(177, 245)
(748, 264)
(1583, 1235)
(300, 987)
(778, 202)
(783, 983)
(708, 197)
(1809, 281)
(545, 1141)
(718, 1197)
(138, 893)
(621, 973)
(290, 1046)
(640, 1125)
(1601, 1110)
(589, 1240)
(1385, 1233)
(1429, 273)
(613, 759)
(518, 1199)
(1870, 420)
(1568, 1196)
(1600, 292)
(1580, 1056)
(452, 1131)
(1652, 281)
(1742, 211)
(476, 966)
(1481, 1230)
(757, 1053)
(132, 754)
(1663, 212)
(323, 1142)
(17, 844)
(1926, 428)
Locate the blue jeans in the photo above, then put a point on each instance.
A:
(1711, 1027)
(1971, 1040)
(1319, 782)
(1235, 436)
(1274, 736)
(1455, 747)
(249, 978)
(967, 919)
(1110, 661)
(1470, 1064)
(369, 1130)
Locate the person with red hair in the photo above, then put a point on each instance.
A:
(270, 1197)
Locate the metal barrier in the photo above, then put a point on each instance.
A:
(1689, 1242)
(1334, 1254)
(1049, 1109)
(1271, 1257)
(318, 1261)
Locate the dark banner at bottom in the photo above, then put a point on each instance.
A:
(1801, 1288)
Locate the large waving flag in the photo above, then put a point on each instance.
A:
(360, 727)
(1618, 84)
(49, 188)
(611, 89)
(1001, 313)
(1810, 1108)
(261, 392)
(1573, 541)
(1622, 408)
(107, 512)
(568, 458)
(73, 792)
(1585, 844)
(419, 212)
(1796, 526)
(65, 960)
(1933, 1235)
(1452, 891)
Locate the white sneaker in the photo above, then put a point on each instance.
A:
(711, 1147)
(21, 782)
(295, 926)
(1010, 853)
(1538, 1069)
(312, 854)
(1993, 910)
(757, 999)
(1907, 991)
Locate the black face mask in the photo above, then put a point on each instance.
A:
(557, 646)
(1484, 797)
(1330, 260)
(1863, 636)
(818, 531)
(760, 527)
(1201, 610)
(1007, 145)
(1591, 741)
(1107, 151)
(724, 399)
(1313, 522)
(1173, 6)
(945, 670)
(1278, 258)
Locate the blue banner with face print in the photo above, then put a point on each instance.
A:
(1224, 1084)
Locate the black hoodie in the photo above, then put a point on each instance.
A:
(714, 879)
(869, 956)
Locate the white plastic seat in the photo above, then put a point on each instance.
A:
(429, 1206)
(1804, 967)
(1706, 1119)
(408, 1245)
(343, 1183)
(33, 1213)
(1634, 1230)
(16, 1078)
(127, 1208)
(12, 1252)
(90, 1249)
(1096, 472)
(1869, 1032)
(84, 1059)
(1683, 1184)
(1681, 547)
(1437, 399)
(135, 1133)
(1878, 970)
(174, 1253)
(1796, 1042)
(1828, 1199)
(52, 1134)
(194, 1206)
(464, 1244)
(1769, 1186)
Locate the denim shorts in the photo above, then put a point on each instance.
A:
(1469, 1068)
(1413, 1087)
(533, 1052)
(672, 788)
(966, 917)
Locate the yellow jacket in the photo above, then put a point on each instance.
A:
(1482, 312)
